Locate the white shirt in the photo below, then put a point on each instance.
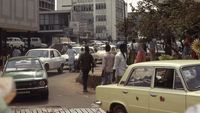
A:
(119, 64)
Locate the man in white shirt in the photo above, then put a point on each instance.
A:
(107, 66)
(120, 63)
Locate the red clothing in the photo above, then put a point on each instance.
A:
(140, 57)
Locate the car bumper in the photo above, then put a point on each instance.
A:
(32, 91)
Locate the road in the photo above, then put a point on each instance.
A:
(64, 91)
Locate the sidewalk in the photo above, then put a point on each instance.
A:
(55, 109)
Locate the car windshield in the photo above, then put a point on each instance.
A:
(38, 53)
(78, 50)
(23, 65)
(191, 75)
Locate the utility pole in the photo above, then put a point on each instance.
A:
(125, 24)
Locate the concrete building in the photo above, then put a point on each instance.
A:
(16, 16)
(46, 5)
(97, 19)
(54, 23)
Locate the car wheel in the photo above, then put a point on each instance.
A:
(119, 109)
(45, 95)
(60, 69)
(46, 66)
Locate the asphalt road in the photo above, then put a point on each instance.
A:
(63, 91)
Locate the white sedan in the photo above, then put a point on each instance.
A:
(51, 58)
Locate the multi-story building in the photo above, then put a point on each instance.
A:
(46, 5)
(54, 23)
(97, 18)
(16, 16)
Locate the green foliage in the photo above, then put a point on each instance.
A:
(166, 57)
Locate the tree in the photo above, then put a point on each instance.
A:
(168, 20)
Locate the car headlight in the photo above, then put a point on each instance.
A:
(42, 83)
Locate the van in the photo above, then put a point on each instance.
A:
(34, 42)
(14, 42)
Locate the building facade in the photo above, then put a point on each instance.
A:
(97, 19)
(16, 16)
(19, 15)
(54, 23)
(46, 5)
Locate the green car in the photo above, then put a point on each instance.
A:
(29, 75)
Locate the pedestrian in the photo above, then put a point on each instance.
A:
(71, 59)
(141, 55)
(86, 63)
(152, 49)
(132, 52)
(107, 65)
(16, 52)
(120, 63)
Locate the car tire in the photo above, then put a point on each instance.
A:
(46, 66)
(60, 69)
(119, 109)
(45, 95)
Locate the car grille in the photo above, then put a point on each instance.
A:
(27, 84)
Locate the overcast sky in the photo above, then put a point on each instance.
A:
(134, 2)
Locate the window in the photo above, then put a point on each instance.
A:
(141, 77)
(100, 18)
(56, 54)
(164, 78)
(51, 54)
(178, 84)
(100, 6)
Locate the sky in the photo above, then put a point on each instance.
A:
(134, 2)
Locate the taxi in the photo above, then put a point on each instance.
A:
(169, 86)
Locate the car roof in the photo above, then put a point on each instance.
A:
(23, 57)
(42, 49)
(168, 63)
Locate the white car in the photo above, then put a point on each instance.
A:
(14, 42)
(34, 42)
(101, 52)
(51, 58)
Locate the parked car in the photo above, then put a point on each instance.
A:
(51, 58)
(14, 42)
(153, 87)
(29, 75)
(34, 42)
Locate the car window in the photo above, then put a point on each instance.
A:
(38, 53)
(178, 84)
(164, 78)
(191, 76)
(52, 54)
(141, 77)
(56, 54)
(19, 65)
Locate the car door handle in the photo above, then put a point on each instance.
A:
(153, 95)
(125, 92)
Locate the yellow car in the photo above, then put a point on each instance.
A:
(153, 87)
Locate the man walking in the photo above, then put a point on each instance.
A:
(120, 63)
(71, 60)
(107, 65)
(86, 63)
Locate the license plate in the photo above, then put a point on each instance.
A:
(23, 92)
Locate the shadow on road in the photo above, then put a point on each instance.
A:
(26, 100)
